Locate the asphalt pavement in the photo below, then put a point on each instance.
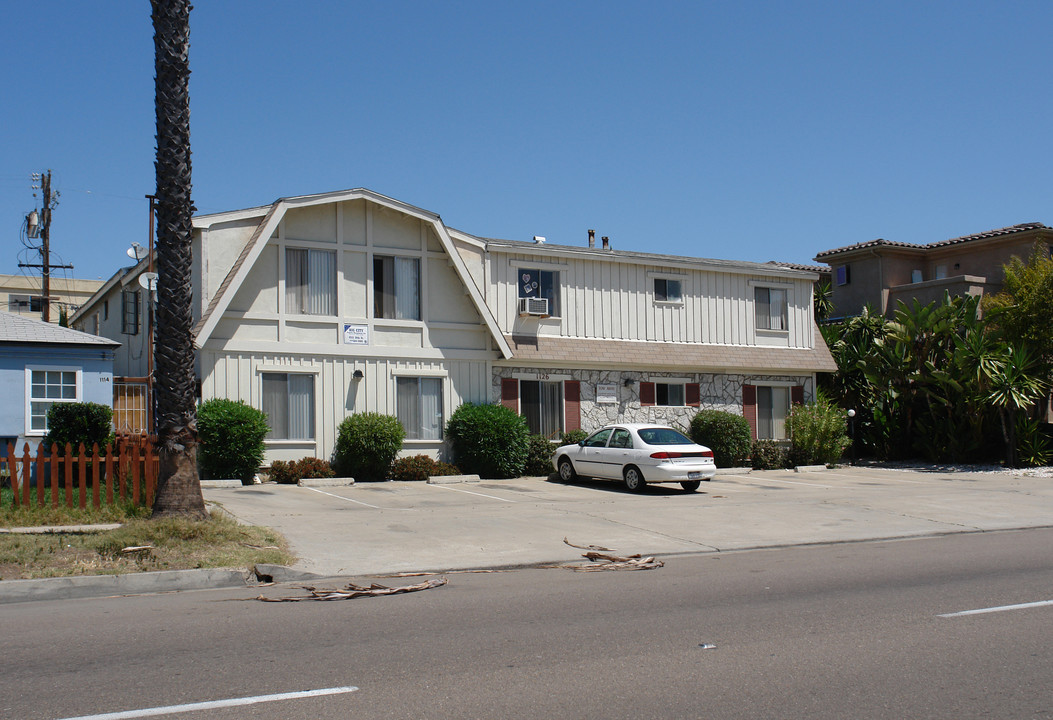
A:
(371, 529)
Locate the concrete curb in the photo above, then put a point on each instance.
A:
(734, 471)
(89, 586)
(222, 484)
(325, 482)
(809, 468)
(59, 529)
(450, 479)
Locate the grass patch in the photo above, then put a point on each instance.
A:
(34, 514)
(174, 544)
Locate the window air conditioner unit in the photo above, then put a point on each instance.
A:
(533, 306)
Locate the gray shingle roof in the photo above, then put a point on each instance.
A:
(27, 331)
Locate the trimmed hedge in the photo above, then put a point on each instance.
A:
(420, 468)
(76, 423)
(490, 441)
(307, 467)
(725, 433)
(231, 436)
(366, 445)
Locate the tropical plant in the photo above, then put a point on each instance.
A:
(822, 300)
(367, 444)
(231, 436)
(178, 485)
(817, 432)
(725, 433)
(488, 440)
(1014, 390)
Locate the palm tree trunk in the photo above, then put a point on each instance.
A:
(178, 485)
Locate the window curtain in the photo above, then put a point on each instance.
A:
(275, 404)
(760, 296)
(301, 407)
(431, 408)
(407, 288)
(321, 286)
(778, 309)
(408, 406)
(551, 408)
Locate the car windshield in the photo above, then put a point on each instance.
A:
(662, 436)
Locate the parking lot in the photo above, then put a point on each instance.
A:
(376, 528)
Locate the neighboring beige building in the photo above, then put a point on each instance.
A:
(22, 295)
(881, 272)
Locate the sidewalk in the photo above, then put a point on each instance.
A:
(371, 529)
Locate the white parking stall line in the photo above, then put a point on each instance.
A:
(492, 497)
(790, 482)
(341, 497)
(1000, 608)
(210, 704)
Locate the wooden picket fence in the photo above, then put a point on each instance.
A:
(125, 472)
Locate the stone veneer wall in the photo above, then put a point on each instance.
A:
(716, 392)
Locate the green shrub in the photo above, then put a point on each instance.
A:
(572, 437)
(445, 468)
(539, 456)
(416, 467)
(292, 472)
(366, 445)
(488, 440)
(76, 423)
(818, 433)
(725, 433)
(768, 455)
(231, 437)
(283, 472)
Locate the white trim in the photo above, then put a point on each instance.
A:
(29, 399)
(671, 380)
(532, 263)
(409, 372)
(667, 274)
(295, 369)
(779, 285)
(542, 377)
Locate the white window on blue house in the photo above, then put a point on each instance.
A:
(44, 388)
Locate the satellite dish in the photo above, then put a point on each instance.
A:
(148, 280)
(137, 252)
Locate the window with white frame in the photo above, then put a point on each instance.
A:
(666, 290)
(45, 388)
(770, 308)
(396, 288)
(130, 312)
(419, 407)
(310, 281)
(773, 406)
(669, 394)
(541, 403)
(534, 283)
(288, 401)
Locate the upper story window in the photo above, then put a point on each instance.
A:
(129, 312)
(45, 388)
(396, 288)
(310, 282)
(23, 303)
(842, 274)
(770, 308)
(667, 290)
(540, 284)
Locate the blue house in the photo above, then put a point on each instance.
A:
(41, 364)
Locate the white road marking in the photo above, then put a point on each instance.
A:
(341, 497)
(1000, 608)
(209, 705)
(492, 497)
(788, 482)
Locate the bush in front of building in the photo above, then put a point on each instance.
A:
(768, 455)
(77, 423)
(572, 437)
(420, 468)
(231, 436)
(818, 433)
(539, 456)
(725, 433)
(307, 467)
(490, 441)
(366, 445)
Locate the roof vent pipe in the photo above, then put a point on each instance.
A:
(539, 239)
(606, 242)
(592, 238)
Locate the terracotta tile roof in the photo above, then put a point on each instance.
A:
(687, 357)
(821, 269)
(1022, 227)
(27, 331)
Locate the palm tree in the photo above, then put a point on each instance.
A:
(178, 486)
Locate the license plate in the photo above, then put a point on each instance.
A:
(694, 476)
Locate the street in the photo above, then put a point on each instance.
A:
(852, 630)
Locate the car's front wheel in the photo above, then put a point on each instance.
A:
(690, 485)
(634, 481)
(566, 471)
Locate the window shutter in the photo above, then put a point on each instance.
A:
(797, 395)
(646, 393)
(510, 394)
(749, 407)
(692, 395)
(572, 404)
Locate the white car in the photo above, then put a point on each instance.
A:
(637, 454)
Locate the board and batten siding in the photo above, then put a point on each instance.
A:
(615, 300)
(237, 376)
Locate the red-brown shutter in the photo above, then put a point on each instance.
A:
(797, 395)
(510, 394)
(572, 404)
(749, 407)
(646, 393)
(692, 395)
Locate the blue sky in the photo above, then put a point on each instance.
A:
(739, 130)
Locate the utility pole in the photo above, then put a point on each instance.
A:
(45, 240)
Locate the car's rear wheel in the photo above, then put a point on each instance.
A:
(634, 480)
(690, 485)
(566, 471)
